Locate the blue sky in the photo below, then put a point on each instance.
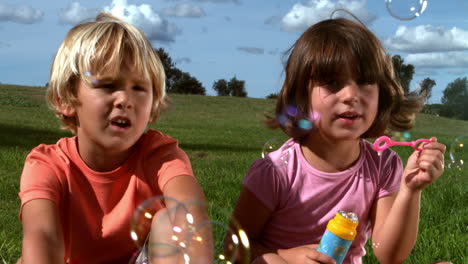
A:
(219, 39)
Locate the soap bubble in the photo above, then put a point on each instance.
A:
(399, 136)
(159, 227)
(228, 240)
(169, 231)
(406, 9)
(457, 153)
(277, 152)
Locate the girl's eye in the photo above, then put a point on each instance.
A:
(333, 86)
(362, 82)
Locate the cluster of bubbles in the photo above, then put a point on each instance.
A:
(169, 231)
(406, 9)
(276, 150)
(400, 136)
(292, 115)
(458, 153)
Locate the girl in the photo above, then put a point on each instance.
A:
(339, 78)
(78, 195)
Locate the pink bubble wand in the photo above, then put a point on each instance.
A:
(387, 142)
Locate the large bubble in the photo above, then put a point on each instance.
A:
(168, 231)
(277, 152)
(406, 9)
(457, 153)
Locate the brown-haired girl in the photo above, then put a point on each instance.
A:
(339, 88)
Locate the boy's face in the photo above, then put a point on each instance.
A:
(347, 110)
(112, 114)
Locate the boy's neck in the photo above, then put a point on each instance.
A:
(101, 160)
(328, 156)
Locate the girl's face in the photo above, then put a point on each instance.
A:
(346, 110)
(112, 112)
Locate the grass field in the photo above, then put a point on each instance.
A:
(222, 136)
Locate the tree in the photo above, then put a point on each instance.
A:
(425, 88)
(178, 81)
(272, 96)
(234, 87)
(455, 99)
(237, 87)
(403, 72)
(187, 84)
(172, 73)
(221, 87)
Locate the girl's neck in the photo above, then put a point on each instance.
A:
(330, 156)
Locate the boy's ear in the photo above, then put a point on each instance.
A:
(66, 109)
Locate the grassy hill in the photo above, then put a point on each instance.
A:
(222, 136)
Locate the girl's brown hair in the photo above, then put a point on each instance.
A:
(336, 49)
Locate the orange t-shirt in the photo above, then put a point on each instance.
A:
(96, 207)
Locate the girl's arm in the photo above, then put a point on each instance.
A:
(253, 215)
(42, 233)
(395, 218)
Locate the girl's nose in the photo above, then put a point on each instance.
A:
(350, 92)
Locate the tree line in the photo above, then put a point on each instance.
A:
(181, 82)
(453, 103)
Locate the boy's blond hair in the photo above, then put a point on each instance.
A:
(101, 47)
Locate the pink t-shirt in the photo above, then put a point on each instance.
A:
(95, 208)
(303, 199)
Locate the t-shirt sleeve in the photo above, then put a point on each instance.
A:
(39, 180)
(264, 181)
(391, 171)
(175, 162)
(164, 159)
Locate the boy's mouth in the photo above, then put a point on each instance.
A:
(121, 122)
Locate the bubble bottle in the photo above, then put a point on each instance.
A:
(340, 233)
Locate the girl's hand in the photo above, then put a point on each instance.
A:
(306, 254)
(424, 167)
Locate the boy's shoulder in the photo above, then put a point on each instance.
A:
(63, 147)
(154, 139)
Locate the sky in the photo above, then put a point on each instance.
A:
(220, 39)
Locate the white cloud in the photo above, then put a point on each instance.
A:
(303, 15)
(427, 38)
(184, 10)
(20, 14)
(144, 17)
(75, 13)
(454, 59)
(251, 50)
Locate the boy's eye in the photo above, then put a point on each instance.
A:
(107, 85)
(139, 88)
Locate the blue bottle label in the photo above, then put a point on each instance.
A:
(334, 246)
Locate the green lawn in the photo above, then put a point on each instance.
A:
(223, 136)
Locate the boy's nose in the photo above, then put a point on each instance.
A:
(123, 100)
